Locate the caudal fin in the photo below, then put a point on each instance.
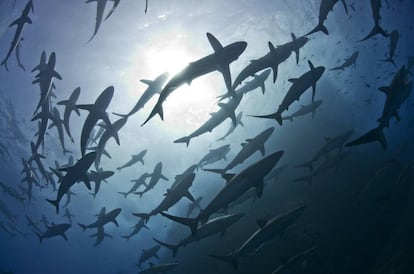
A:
(156, 110)
(375, 30)
(276, 116)
(124, 193)
(173, 248)
(319, 27)
(232, 259)
(374, 135)
(84, 227)
(185, 140)
(38, 235)
(54, 203)
(191, 223)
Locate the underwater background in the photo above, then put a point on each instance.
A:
(359, 209)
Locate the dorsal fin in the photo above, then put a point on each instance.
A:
(311, 65)
(215, 44)
(292, 80)
(271, 47)
(293, 36)
(147, 82)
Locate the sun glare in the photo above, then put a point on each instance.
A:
(189, 105)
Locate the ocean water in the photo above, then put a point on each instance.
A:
(358, 214)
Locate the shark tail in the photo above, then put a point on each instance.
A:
(84, 227)
(232, 259)
(275, 116)
(307, 179)
(144, 216)
(319, 27)
(375, 30)
(55, 203)
(185, 140)
(191, 223)
(173, 248)
(121, 115)
(38, 235)
(124, 193)
(373, 135)
(156, 110)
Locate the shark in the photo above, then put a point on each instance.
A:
(108, 133)
(220, 61)
(294, 261)
(17, 53)
(154, 87)
(214, 155)
(304, 110)
(19, 22)
(70, 106)
(97, 111)
(268, 231)
(329, 163)
(103, 219)
(159, 268)
(148, 254)
(100, 235)
(299, 86)
(377, 29)
(258, 81)
(134, 159)
(233, 127)
(172, 196)
(53, 231)
(227, 110)
(59, 124)
(250, 147)
(396, 94)
(394, 37)
(156, 176)
(324, 9)
(331, 143)
(36, 157)
(73, 174)
(97, 177)
(237, 184)
(136, 229)
(275, 57)
(137, 183)
(217, 225)
(12, 192)
(45, 78)
(100, 9)
(350, 61)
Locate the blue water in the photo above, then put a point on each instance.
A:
(358, 214)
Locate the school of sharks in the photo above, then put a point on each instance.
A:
(206, 136)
